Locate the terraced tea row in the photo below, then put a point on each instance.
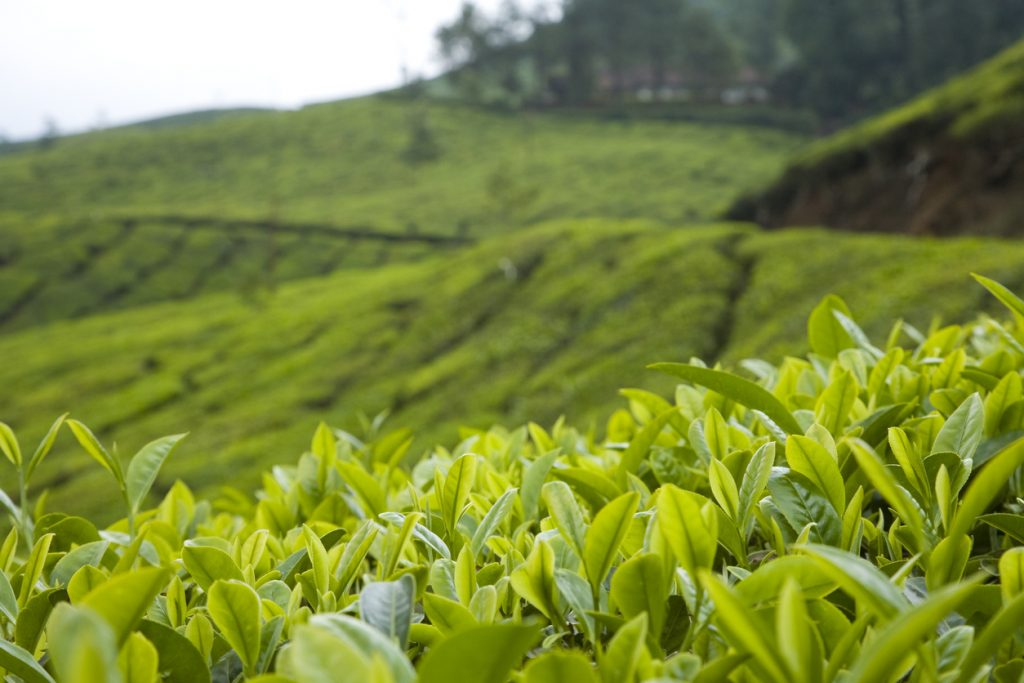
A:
(55, 269)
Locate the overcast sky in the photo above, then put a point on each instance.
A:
(84, 63)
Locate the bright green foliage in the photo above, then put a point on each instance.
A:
(855, 513)
(457, 340)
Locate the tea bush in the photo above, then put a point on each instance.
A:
(852, 515)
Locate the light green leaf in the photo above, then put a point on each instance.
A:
(144, 467)
(365, 638)
(605, 535)
(180, 661)
(738, 389)
(1005, 296)
(354, 553)
(9, 444)
(387, 606)
(20, 663)
(987, 483)
(687, 533)
(964, 429)
(449, 616)
(858, 577)
(879, 659)
(535, 581)
(82, 645)
(533, 479)
(1008, 391)
(947, 561)
(44, 446)
(87, 554)
(560, 666)
(95, 449)
(33, 568)
(833, 407)
(798, 639)
(1002, 626)
(766, 583)
(235, 608)
(619, 661)
(138, 660)
(910, 461)
(494, 517)
(824, 332)
(642, 442)
(207, 564)
(8, 600)
(33, 617)
(639, 586)
(886, 484)
(1011, 573)
(457, 487)
(565, 512)
(809, 458)
(318, 559)
(802, 503)
(482, 654)
(364, 486)
(755, 479)
(465, 575)
(575, 590)
(723, 488)
(734, 621)
(123, 599)
(317, 655)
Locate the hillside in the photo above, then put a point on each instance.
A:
(387, 163)
(546, 321)
(79, 218)
(950, 162)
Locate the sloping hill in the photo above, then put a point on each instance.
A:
(950, 162)
(80, 234)
(388, 163)
(546, 321)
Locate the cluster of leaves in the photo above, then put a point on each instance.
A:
(853, 515)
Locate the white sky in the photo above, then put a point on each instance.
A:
(87, 62)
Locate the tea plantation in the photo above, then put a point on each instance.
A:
(786, 495)
(853, 514)
(544, 322)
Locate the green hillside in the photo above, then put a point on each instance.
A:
(548, 321)
(77, 217)
(349, 163)
(951, 161)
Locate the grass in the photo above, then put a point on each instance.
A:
(544, 322)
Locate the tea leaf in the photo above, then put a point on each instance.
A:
(144, 467)
(740, 390)
(605, 536)
(486, 654)
(235, 608)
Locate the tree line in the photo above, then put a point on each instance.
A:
(840, 58)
